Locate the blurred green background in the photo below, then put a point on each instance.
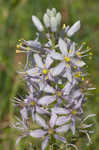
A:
(15, 23)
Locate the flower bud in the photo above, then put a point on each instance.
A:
(58, 18)
(37, 23)
(53, 22)
(75, 27)
(48, 12)
(46, 20)
(53, 12)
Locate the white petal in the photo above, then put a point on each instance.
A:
(41, 110)
(72, 48)
(67, 88)
(64, 128)
(46, 20)
(24, 114)
(33, 72)
(19, 139)
(78, 62)
(56, 56)
(53, 120)
(48, 61)
(76, 94)
(42, 84)
(46, 100)
(60, 138)
(48, 89)
(37, 133)
(45, 143)
(68, 74)
(63, 47)
(58, 69)
(74, 28)
(38, 61)
(53, 24)
(58, 18)
(37, 23)
(62, 120)
(72, 127)
(33, 114)
(41, 121)
(59, 110)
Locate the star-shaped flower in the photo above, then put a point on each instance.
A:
(49, 130)
(68, 60)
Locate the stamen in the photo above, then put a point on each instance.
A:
(78, 54)
(83, 43)
(67, 59)
(77, 75)
(32, 103)
(51, 131)
(59, 93)
(45, 71)
(28, 48)
(64, 26)
(18, 51)
(70, 51)
(83, 78)
(74, 112)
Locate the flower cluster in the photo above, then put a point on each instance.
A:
(54, 73)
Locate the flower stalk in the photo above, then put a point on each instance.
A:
(54, 73)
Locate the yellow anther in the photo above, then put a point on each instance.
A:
(83, 78)
(87, 81)
(18, 51)
(67, 65)
(59, 93)
(79, 62)
(77, 75)
(88, 47)
(45, 71)
(78, 54)
(32, 103)
(91, 53)
(75, 67)
(18, 46)
(28, 48)
(51, 131)
(83, 43)
(47, 77)
(74, 112)
(70, 51)
(38, 80)
(67, 59)
(64, 26)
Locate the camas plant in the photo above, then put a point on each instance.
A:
(55, 73)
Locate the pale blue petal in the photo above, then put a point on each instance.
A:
(58, 69)
(41, 121)
(63, 47)
(60, 138)
(37, 133)
(46, 100)
(53, 120)
(74, 28)
(38, 61)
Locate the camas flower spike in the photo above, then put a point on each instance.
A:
(56, 77)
